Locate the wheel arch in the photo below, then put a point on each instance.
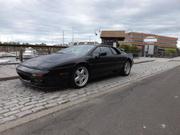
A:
(130, 60)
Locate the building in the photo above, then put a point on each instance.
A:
(148, 43)
(111, 37)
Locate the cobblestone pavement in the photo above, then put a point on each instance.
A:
(17, 100)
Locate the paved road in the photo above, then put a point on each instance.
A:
(149, 107)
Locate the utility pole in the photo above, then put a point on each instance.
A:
(89, 38)
(72, 37)
(63, 37)
(77, 37)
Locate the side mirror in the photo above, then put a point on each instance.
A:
(103, 54)
(96, 55)
(122, 49)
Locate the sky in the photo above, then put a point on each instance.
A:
(38, 21)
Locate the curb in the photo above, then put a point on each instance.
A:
(143, 61)
(4, 64)
(174, 60)
(9, 78)
(67, 105)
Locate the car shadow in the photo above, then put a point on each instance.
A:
(105, 77)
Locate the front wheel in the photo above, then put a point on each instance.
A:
(80, 77)
(126, 68)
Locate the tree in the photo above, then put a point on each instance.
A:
(178, 51)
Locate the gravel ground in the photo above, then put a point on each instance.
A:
(17, 100)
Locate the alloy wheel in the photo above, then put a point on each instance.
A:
(81, 76)
(127, 68)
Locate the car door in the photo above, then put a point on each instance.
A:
(108, 59)
(96, 63)
(117, 59)
(102, 64)
(121, 57)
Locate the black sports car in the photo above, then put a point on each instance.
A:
(77, 64)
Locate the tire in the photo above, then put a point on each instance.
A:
(80, 77)
(126, 68)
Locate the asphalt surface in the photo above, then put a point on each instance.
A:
(149, 107)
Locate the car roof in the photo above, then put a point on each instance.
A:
(100, 45)
(97, 45)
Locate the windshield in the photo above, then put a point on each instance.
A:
(77, 50)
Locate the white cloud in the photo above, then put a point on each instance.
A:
(39, 20)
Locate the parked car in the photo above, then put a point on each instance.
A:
(29, 53)
(77, 64)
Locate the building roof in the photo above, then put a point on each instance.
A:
(158, 36)
(114, 34)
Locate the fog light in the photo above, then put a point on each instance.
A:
(39, 75)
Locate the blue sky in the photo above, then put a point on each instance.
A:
(44, 20)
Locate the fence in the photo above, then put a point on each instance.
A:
(19, 49)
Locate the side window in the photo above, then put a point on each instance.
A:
(96, 51)
(115, 52)
(107, 50)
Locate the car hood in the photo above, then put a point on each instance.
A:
(48, 61)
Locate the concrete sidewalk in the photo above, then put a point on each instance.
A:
(8, 72)
(143, 60)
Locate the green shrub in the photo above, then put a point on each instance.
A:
(129, 48)
(126, 48)
(134, 49)
(170, 52)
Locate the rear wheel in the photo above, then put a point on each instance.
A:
(80, 77)
(126, 68)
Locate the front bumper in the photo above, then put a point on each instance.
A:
(47, 80)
